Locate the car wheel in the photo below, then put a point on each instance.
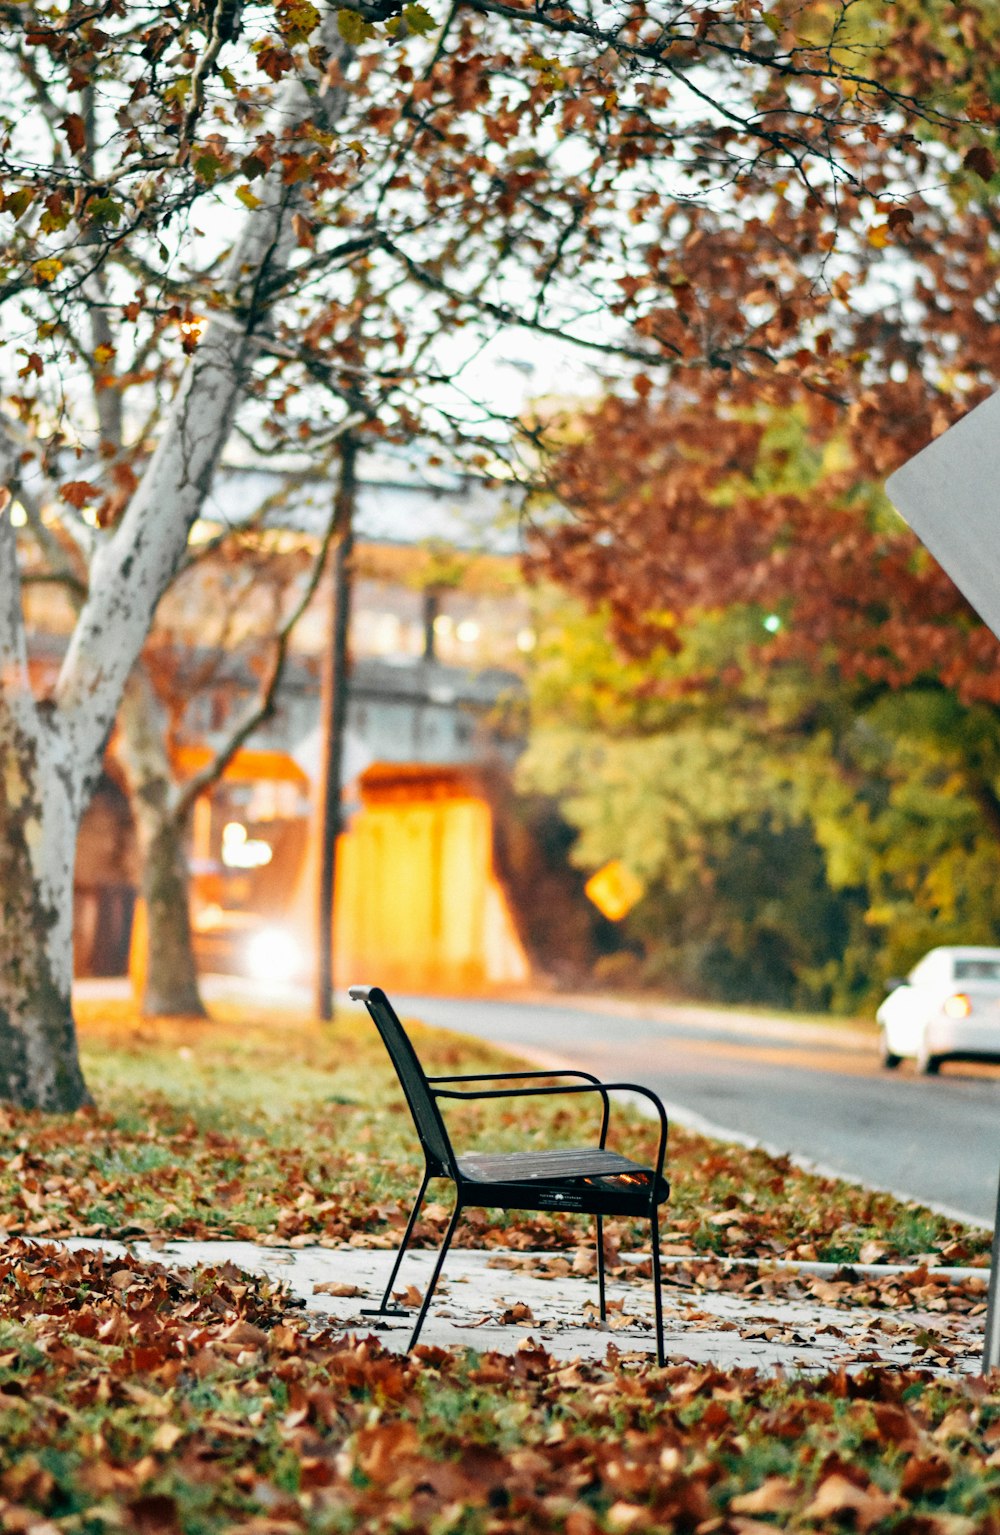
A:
(928, 1065)
(886, 1056)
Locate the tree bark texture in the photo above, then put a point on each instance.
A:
(171, 981)
(335, 723)
(39, 1064)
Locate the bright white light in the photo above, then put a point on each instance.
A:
(242, 852)
(386, 635)
(18, 516)
(273, 954)
(526, 640)
(467, 631)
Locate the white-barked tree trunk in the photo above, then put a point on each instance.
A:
(52, 748)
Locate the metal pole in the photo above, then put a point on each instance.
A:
(991, 1348)
(334, 722)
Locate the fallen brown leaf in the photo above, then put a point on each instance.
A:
(776, 1495)
(836, 1495)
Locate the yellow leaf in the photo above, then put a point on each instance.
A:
(418, 19)
(878, 236)
(247, 198)
(48, 269)
(353, 27)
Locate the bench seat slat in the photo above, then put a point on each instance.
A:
(527, 1166)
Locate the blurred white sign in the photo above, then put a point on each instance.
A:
(308, 754)
(949, 493)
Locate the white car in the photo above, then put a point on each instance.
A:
(948, 1006)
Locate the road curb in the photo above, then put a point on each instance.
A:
(859, 1036)
(818, 1269)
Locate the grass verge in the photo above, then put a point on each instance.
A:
(268, 1126)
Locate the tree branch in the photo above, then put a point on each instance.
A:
(510, 316)
(133, 569)
(263, 707)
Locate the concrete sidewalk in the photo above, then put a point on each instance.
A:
(764, 1319)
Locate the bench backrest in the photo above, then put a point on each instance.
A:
(412, 1078)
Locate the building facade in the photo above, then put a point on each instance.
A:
(440, 628)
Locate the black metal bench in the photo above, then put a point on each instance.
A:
(587, 1180)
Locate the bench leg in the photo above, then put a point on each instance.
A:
(384, 1309)
(654, 1226)
(600, 1267)
(435, 1276)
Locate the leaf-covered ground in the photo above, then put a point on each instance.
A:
(155, 1402)
(140, 1399)
(273, 1127)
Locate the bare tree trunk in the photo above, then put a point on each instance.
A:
(171, 980)
(170, 984)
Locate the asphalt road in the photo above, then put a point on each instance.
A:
(812, 1090)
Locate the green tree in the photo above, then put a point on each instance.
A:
(677, 766)
(902, 798)
(801, 837)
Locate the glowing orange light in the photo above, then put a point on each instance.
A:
(958, 1006)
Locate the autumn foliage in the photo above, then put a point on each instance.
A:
(284, 222)
(268, 1127)
(716, 497)
(874, 329)
(718, 186)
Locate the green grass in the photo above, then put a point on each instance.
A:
(272, 1124)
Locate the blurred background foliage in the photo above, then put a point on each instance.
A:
(799, 842)
(754, 688)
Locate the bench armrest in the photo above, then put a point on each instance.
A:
(604, 1088)
(507, 1076)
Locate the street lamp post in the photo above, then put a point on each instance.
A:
(335, 722)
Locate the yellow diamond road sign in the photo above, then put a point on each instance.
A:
(614, 890)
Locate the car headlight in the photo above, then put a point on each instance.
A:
(274, 954)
